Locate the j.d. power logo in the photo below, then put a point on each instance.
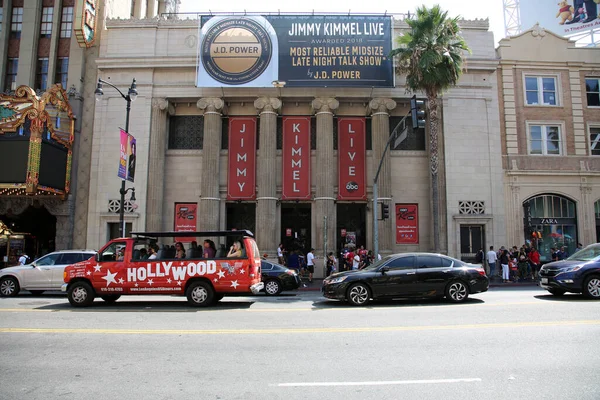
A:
(236, 51)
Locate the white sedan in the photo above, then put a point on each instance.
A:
(45, 273)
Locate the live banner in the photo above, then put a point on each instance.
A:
(407, 223)
(296, 158)
(241, 180)
(185, 219)
(351, 159)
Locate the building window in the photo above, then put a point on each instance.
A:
(16, 23)
(1, 17)
(41, 80)
(471, 207)
(62, 69)
(186, 132)
(595, 140)
(540, 90)
(407, 138)
(544, 139)
(592, 91)
(66, 24)
(46, 27)
(11, 74)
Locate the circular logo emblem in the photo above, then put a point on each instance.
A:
(352, 186)
(236, 51)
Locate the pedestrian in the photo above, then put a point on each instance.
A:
(355, 262)
(479, 258)
(23, 259)
(293, 261)
(579, 246)
(280, 251)
(491, 259)
(522, 263)
(152, 251)
(504, 261)
(310, 264)
(330, 263)
(534, 260)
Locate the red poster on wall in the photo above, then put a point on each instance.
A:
(185, 219)
(407, 223)
(296, 158)
(351, 159)
(241, 178)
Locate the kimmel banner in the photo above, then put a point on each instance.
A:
(296, 158)
(185, 219)
(241, 182)
(407, 223)
(351, 159)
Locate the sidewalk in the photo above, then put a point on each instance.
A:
(318, 283)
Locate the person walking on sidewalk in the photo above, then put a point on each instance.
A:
(491, 259)
(504, 258)
(310, 264)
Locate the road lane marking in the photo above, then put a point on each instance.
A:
(298, 330)
(377, 383)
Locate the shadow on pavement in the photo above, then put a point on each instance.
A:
(570, 298)
(143, 306)
(395, 303)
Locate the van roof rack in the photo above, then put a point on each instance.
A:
(238, 232)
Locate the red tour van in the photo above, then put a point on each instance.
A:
(125, 266)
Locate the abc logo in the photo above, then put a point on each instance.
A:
(352, 186)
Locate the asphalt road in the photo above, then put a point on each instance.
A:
(517, 343)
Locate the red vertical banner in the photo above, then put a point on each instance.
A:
(241, 178)
(296, 158)
(352, 149)
(185, 219)
(407, 223)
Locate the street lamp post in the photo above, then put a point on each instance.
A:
(132, 94)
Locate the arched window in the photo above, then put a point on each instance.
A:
(551, 222)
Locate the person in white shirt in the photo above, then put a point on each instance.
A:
(152, 251)
(23, 259)
(355, 262)
(492, 257)
(310, 264)
(280, 258)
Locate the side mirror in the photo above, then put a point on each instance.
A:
(97, 257)
(384, 269)
(33, 265)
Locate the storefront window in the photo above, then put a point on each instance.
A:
(551, 222)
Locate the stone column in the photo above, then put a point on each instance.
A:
(156, 165)
(380, 132)
(266, 175)
(325, 167)
(208, 210)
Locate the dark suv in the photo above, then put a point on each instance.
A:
(579, 273)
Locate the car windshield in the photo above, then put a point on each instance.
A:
(590, 253)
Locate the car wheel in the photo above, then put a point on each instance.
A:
(556, 292)
(457, 291)
(81, 294)
(111, 298)
(358, 294)
(272, 287)
(36, 292)
(591, 287)
(200, 294)
(9, 287)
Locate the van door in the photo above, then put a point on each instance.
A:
(109, 276)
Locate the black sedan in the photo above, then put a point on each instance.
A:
(278, 278)
(408, 275)
(579, 273)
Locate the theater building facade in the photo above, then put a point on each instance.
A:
(550, 118)
(278, 125)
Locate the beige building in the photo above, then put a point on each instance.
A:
(550, 124)
(182, 150)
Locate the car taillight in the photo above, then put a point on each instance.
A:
(481, 271)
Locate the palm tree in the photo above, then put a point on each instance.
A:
(431, 56)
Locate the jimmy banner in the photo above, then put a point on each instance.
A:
(241, 182)
(295, 51)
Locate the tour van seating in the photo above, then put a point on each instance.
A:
(136, 254)
(160, 253)
(222, 252)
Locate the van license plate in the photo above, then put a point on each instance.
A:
(544, 280)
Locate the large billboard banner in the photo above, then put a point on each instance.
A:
(565, 18)
(351, 159)
(296, 158)
(295, 51)
(241, 182)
